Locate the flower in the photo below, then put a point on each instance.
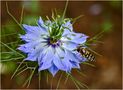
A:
(53, 45)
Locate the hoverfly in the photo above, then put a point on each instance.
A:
(86, 53)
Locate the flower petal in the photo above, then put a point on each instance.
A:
(24, 49)
(67, 64)
(72, 56)
(77, 38)
(40, 21)
(58, 63)
(33, 56)
(45, 65)
(68, 26)
(69, 45)
(63, 63)
(53, 69)
(34, 29)
(30, 29)
(80, 40)
(61, 52)
(47, 55)
(75, 65)
(47, 58)
(32, 37)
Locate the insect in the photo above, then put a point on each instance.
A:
(86, 53)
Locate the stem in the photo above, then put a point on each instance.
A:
(29, 78)
(74, 20)
(22, 71)
(17, 69)
(12, 49)
(12, 16)
(39, 79)
(65, 10)
(21, 18)
(66, 79)
(59, 80)
(96, 36)
(4, 60)
(51, 83)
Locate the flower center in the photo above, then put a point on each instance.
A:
(56, 28)
(54, 43)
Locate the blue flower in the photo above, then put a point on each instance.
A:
(53, 45)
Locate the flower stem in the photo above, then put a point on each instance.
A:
(13, 16)
(65, 10)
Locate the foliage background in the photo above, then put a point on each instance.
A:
(98, 16)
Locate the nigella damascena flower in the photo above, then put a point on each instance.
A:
(53, 45)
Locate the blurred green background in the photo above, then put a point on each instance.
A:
(98, 16)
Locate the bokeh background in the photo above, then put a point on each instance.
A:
(98, 16)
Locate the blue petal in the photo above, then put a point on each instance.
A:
(40, 21)
(58, 63)
(32, 37)
(35, 52)
(68, 26)
(34, 29)
(28, 47)
(75, 65)
(66, 32)
(24, 49)
(42, 54)
(32, 56)
(72, 56)
(28, 37)
(29, 28)
(77, 38)
(69, 45)
(45, 65)
(41, 24)
(80, 40)
(53, 69)
(61, 52)
(67, 64)
(70, 61)
(64, 59)
(47, 58)
(47, 55)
